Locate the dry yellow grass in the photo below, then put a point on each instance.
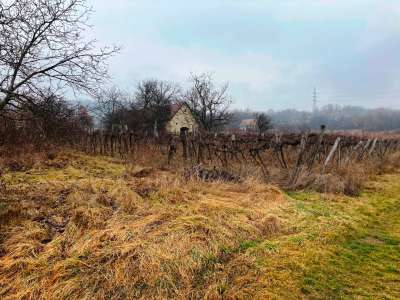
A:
(84, 227)
(79, 227)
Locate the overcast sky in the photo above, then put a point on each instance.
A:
(271, 52)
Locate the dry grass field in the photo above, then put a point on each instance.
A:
(74, 226)
(171, 150)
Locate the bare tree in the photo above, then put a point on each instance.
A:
(154, 99)
(263, 122)
(42, 46)
(111, 105)
(85, 120)
(209, 103)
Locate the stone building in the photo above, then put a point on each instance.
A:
(248, 125)
(182, 120)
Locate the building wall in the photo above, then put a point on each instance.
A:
(248, 125)
(183, 118)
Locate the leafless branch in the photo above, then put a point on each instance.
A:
(42, 46)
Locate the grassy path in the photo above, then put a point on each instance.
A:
(339, 247)
(367, 263)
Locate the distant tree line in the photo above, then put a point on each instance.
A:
(335, 117)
